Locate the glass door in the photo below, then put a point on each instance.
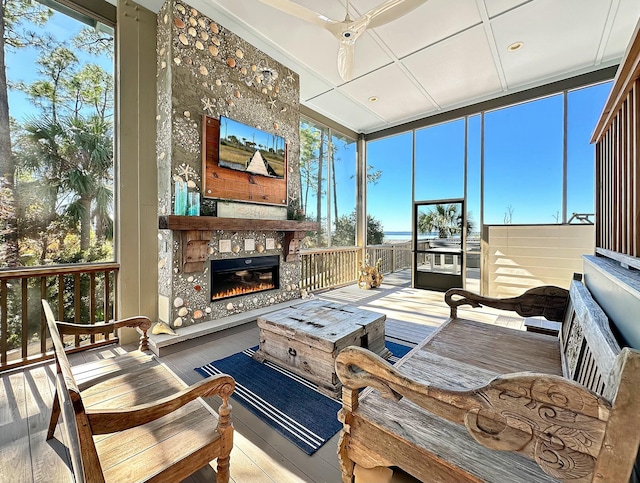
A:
(439, 244)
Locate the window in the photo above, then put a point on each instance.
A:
(328, 184)
(474, 151)
(342, 187)
(389, 196)
(523, 161)
(584, 107)
(440, 161)
(59, 163)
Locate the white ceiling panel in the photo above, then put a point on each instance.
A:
(552, 43)
(496, 7)
(451, 52)
(398, 97)
(346, 111)
(312, 86)
(425, 25)
(456, 69)
(625, 19)
(314, 46)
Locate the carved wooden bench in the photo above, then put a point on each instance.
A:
(129, 418)
(476, 402)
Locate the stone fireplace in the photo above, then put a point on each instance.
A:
(205, 69)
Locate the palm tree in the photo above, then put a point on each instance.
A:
(445, 219)
(90, 148)
(76, 156)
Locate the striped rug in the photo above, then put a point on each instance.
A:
(287, 402)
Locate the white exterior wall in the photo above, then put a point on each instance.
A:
(516, 258)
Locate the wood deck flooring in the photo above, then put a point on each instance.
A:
(260, 455)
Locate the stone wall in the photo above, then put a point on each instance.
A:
(204, 68)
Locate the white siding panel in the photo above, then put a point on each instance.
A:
(519, 257)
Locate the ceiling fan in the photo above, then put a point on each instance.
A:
(348, 31)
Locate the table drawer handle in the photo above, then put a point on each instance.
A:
(292, 352)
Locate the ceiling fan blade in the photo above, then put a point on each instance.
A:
(299, 11)
(390, 11)
(345, 60)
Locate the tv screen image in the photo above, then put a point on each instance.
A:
(246, 148)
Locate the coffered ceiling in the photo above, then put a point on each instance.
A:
(443, 55)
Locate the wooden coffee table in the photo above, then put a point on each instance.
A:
(306, 339)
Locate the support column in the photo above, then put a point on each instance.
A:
(136, 177)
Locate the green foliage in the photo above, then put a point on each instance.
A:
(96, 42)
(375, 231)
(19, 16)
(373, 176)
(294, 212)
(445, 219)
(6, 212)
(345, 231)
(73, 158)
(344, 234)
(65, 155)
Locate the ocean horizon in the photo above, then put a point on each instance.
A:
(403, 236)
(400, 236)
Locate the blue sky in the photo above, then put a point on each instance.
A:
(523, 163)
(229, 127)
(21, 63)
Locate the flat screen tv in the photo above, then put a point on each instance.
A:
(246, 148)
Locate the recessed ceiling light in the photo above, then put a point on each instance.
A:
(373, 99)
(515, 46)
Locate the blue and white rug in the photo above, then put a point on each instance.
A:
(287, 402)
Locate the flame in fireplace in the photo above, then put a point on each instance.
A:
(242, 290)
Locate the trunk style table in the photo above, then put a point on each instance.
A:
(306, 339)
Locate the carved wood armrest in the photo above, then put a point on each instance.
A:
(144, 323)
(552, 420)
(113, 420)
(547, 301)
(138, 322)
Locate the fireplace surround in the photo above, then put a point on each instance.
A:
(242, 276)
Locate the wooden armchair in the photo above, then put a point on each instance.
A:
(129, 418)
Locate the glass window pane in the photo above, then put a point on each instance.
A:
(440, 161)
(313, 175)
(343, 190)
(474, 148)
(389, 202)
(61, 126)
(523, 163)
(584, 108)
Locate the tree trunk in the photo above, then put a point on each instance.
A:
(335, 187)
(44, 249)
(85, 223)
(319, 192)
(7, 165)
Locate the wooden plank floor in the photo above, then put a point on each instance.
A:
(260, 454)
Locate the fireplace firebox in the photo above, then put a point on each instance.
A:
(242, 276)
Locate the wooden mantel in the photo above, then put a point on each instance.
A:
(195, 237)
(209, 223)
